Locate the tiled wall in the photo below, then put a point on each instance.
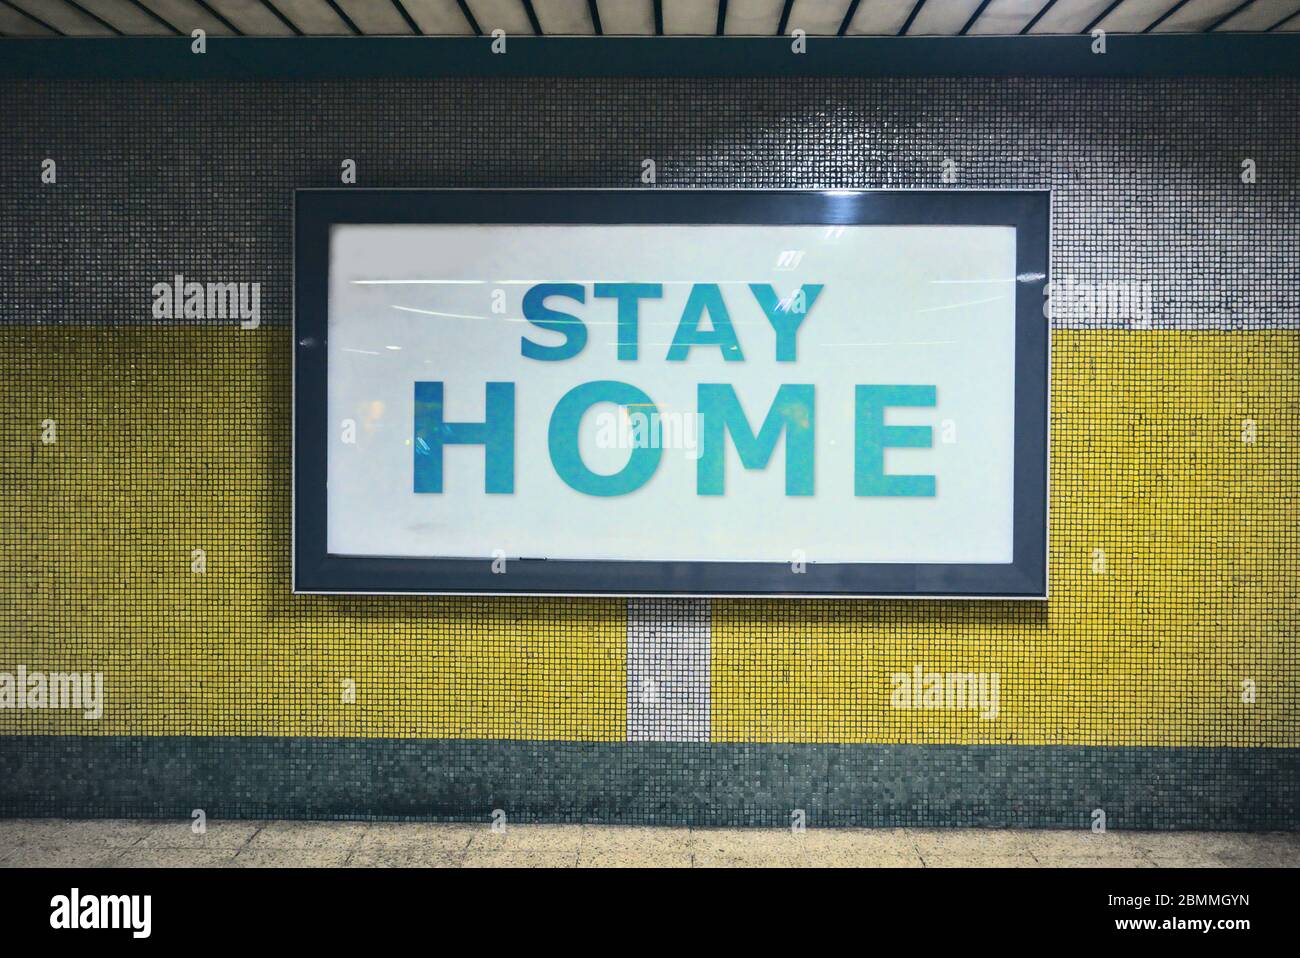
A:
(1160, 684)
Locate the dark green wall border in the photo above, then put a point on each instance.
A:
(260, 58)
(650, 782)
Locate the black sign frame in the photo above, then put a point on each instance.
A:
(315, 570)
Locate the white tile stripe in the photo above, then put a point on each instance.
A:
(668, 653)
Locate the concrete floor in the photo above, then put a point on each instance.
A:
(130, 843)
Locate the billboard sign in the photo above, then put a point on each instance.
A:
(671, 392)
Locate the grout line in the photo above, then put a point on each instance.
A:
(248, 841)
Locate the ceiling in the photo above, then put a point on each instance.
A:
(107, 18)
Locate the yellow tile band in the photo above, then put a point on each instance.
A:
(171, 439)
(1155, 639)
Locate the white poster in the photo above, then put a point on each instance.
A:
(708, 393)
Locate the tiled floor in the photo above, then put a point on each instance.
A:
(114, 843)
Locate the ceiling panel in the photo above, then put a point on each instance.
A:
(1261, 15)
(637, 18)
(375, 17)
(1071, 17)
(627, 17)
(1006, 17)
(690, 17)
(817, 17)
(1134, 16)
(507, 15)
(753, 18)
(313, 17)
(128, 18)
(1195, 16)
(187, 17)
(64, 18)
(438, 18)
(253, 17)
(564, 18)
(881, 18)
(942, 19)
(14, 24)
